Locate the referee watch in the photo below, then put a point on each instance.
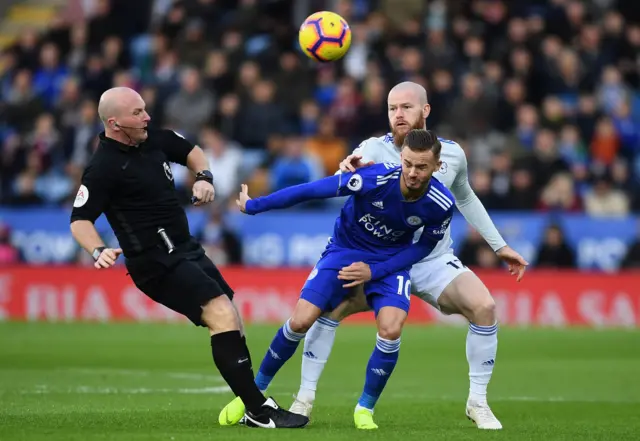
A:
(96, 252)
(205, 175)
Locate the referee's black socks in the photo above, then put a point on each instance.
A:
(231, 356)
(244, 342)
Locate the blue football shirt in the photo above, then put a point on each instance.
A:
(376, 219)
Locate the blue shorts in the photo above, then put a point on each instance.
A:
(324, 289)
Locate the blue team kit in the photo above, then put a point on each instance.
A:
(376, 226)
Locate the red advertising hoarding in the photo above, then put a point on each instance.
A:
(268, 295)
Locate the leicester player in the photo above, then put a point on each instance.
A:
(440, 278)
(372, 244)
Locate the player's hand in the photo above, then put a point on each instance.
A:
(243, 197)
(352, 162)
(516, 263)
(203, 193)
(357, 273)
(107, 258)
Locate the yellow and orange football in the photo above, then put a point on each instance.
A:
(325, 36)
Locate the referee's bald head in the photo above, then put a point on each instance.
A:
(114, 101)
(123, 113)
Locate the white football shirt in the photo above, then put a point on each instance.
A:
(453, 174)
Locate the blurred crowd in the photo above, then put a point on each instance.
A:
(544, 95)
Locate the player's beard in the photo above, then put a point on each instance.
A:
(398, 138)
(414, 184)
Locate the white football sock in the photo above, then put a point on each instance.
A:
(317, 347)
(482, 346)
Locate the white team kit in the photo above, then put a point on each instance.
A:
(430, 276)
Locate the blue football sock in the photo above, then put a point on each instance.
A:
(282, 347)
(381, 364)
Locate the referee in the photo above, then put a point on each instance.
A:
(129, 179)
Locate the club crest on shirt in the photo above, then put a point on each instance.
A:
(443, 168)
(81, 197)
(414, 220)
(167, 171)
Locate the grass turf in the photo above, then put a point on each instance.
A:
(134, 382)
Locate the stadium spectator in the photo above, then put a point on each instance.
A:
(262, 113)
(631, 259)
(604, 200)
(50, 76)
(225, 160)
(191, 107)
(78, 139)
(522, 194)
(220, 243)
(293, 83)
(475, 252)
(294, 166)
(326, 146)
(560, 195)
(481, 182)
(554, 251)
(9, 254)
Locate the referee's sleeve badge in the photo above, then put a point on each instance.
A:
(81, 197)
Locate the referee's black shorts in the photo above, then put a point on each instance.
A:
(185, 281)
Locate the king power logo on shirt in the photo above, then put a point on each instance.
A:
(378, 229)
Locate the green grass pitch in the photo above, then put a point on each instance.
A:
(134, 382)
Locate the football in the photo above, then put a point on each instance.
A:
(325, 36)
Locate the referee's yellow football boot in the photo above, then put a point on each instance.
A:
(232, 413)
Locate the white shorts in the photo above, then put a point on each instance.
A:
(430, 277)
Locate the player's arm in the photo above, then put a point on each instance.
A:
(329, 187)
(417, 251)
(472, 209)
(91, 201)
(474, 212)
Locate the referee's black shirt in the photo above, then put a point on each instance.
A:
(134, 187)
